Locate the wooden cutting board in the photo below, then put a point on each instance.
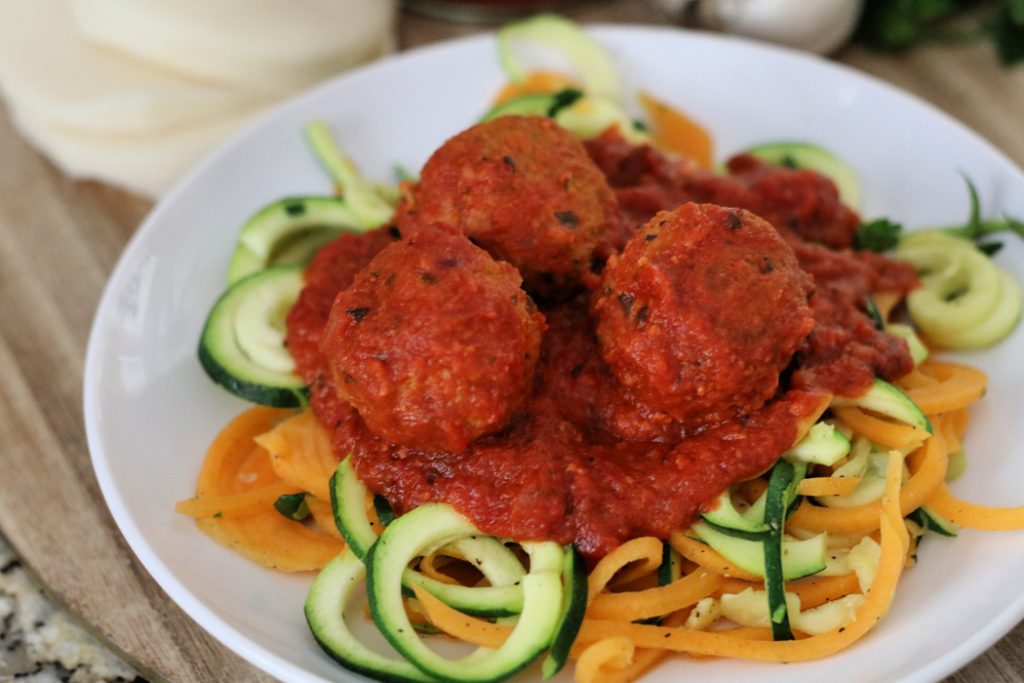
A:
(59, 240)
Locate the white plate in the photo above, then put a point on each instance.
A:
(151, 412)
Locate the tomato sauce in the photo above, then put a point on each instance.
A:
(581, 461)
(559, 472)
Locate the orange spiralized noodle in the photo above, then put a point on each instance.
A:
(885, 302)
(323, 515)
(431, 563)
(958, 386)
(888, 434)
(828, 486)
(611, 654)
(645, 552)
(916, 379)
(473, 630)
(644, 659)
(975, 516)
(947, 427)
(817, 590)
(301, 453)
(237, 466)
(674, 131)
(653, 602)
(959, 419)
(235, 504)
(231, 449)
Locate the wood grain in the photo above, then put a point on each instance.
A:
(60, 239)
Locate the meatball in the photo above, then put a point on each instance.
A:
(434, 343)
(332, 269)
(701, 313)
(524, 189)
(574, 379)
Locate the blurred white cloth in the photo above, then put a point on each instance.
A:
(133, 92)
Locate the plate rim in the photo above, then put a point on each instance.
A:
(206, 618)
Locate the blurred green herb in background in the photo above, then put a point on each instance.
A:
(895, 25)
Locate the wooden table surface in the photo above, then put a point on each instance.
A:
(59, 240)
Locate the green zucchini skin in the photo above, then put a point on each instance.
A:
(599, 76)
(275, 397)
(222, 351)
(574, 606)
(726, 518)
(931, 520)
(671, 568)
(369, 208)
(802, 558)
(324, 608)
(435, 524)
(886, 399)
(775, 516)
(534, 105)
(347, 496)
(288, 232)
(504, 598)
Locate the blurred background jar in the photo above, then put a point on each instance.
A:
(820, 26)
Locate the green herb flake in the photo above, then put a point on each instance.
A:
(878, 235)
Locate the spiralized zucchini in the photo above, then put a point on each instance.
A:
(965, 301)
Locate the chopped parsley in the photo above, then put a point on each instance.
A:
(880, 234)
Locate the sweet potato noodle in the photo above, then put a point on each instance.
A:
(677, 352)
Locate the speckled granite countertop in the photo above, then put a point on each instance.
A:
(39, 642)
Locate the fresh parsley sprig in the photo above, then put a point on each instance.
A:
(879, 235)
(882, 234)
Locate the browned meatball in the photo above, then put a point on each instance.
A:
(435, 343)
(524, 189)
(701, 312)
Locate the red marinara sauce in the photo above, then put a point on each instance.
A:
(560, 471)
(582, 460)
